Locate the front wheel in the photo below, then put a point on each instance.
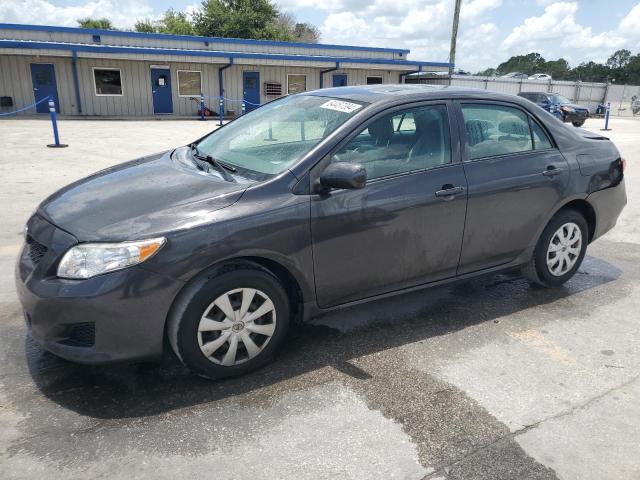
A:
(579, 123)
(231, 324)
(560, 250)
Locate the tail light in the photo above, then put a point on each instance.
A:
(623, 164)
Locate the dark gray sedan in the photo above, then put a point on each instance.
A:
(307, 204)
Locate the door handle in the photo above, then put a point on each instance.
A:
(552, 171)
(448, 192)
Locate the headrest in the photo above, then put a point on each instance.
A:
(477, 131)
(381, 129)
(513, 126)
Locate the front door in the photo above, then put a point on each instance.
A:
(516, 177)
(43, 77)
(339, 80)
(161, 90)
(400, 230)
(251, 90)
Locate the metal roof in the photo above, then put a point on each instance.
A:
(164, 36)
(83, 47)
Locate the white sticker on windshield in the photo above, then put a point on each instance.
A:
(341, 106)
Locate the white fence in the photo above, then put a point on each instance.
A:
(583, 93)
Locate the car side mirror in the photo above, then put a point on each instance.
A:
(350, 176)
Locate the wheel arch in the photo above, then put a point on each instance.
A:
(586, 209)
(289, 281)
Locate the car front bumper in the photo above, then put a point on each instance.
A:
(578, 116)
(119, 316)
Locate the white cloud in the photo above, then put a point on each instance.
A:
(123, 13)
(630, 23)
(471, 9)
(557, 21)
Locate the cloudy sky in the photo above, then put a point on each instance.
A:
(490, 30)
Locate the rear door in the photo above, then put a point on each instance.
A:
(405, 227)
(515, 176)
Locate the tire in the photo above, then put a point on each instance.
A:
(556, 271)
(203, 336)
(578, 123)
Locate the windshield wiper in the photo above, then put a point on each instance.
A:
(221, 167)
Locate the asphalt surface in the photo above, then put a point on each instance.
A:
(485, 379)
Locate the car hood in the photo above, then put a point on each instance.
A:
(139, 199)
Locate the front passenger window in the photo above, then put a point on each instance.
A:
(404, 141)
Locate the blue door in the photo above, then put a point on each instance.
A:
(43, 77)
(339, 80)
(251, 90)
(161, 90)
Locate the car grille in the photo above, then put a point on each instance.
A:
(35, 250)
(80, 335)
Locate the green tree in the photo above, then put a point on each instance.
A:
(176, 23)
(633, 70)
(145, 26)
(617, 64)
(299, 32)
(239, 19)
(589, 72)
(98, 23)
(558, 69)
(487, 72)
(530, 63)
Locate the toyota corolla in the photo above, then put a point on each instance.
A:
(308, 204)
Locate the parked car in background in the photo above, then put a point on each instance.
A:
(515, 75)
(552, 102)
(635, 106)
(540, 76)
(310, 203)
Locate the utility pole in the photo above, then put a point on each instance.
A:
(454, 36)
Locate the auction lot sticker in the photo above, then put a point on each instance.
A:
(341, 106)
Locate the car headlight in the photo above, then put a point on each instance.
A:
(90, 259)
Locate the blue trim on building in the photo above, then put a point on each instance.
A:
(164, 36)
(28, 44)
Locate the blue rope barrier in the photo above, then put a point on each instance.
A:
(25, 108)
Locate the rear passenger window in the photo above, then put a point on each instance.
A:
(540, 139)
(496, 130)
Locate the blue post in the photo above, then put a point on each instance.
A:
(606, 117)
(243, 108)
(201, 106)
(221, 109)
(54, 124)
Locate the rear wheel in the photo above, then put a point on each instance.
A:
(231, 324)
(560, 250)
(579, 123)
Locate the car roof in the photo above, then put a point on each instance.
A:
(392, 93)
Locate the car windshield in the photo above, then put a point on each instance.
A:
(272, 138)
(559, 99)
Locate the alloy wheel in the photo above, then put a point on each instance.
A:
(236, 326)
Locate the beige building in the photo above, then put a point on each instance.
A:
(115, 73)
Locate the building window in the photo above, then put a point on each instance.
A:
(296, 83)
(108, 81)
(374, 80)
(189, 83)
